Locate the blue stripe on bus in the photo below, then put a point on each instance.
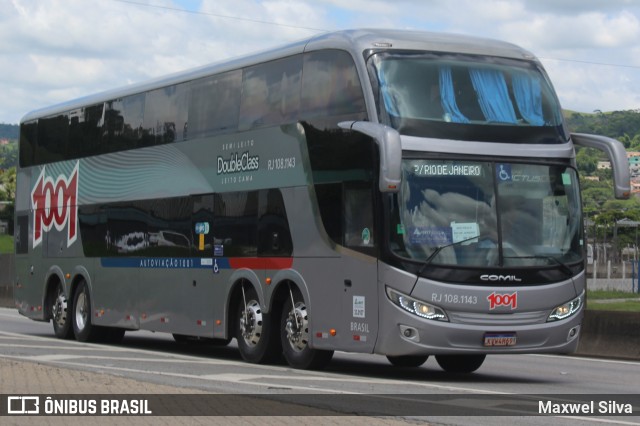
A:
(164, 262)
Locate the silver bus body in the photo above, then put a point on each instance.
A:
(255, 233)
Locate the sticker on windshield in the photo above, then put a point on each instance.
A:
(465, 232)
(430, 235)
(566, 179)
(503, 172)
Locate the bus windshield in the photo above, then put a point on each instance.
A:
(487, 214)
(464, 97)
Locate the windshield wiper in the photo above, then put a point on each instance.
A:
(563, 266)
(438, 249)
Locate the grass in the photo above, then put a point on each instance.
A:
(610, 294)
(625, 306)
(6, 244)
(610, 300)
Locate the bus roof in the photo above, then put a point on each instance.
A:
(354, 41)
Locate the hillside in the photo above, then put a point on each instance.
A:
(9, 131)
(621, 125)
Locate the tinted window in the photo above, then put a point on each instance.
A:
(214, 105)
(274, 238)
(330, 84)
(28, 139)
(165, 114)
(52, 139)
(123, 127)
(85, 131)
(169, 227)
(271, 93)
(235, 225)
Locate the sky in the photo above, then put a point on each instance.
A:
(56, 50)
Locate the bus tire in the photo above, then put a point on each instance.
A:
(408, 361)
(254, 330)
(460, 363)
(83, 329)
(61, 313)
(294, 335)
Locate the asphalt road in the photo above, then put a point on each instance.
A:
(155, 359)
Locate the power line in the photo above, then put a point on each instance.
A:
(606, 64)
(258, 21)
(195, 12)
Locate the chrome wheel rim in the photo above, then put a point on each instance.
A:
(297, 327)
(59, 308)
(251, 323)
(82, 311)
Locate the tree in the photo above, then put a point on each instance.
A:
(8, 184)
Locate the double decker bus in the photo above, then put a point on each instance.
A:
(400, 193)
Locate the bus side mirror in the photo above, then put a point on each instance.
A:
(389, 147)
(618, 157)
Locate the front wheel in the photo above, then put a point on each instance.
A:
(294, 334)
(460, 363)
(254, 330)
(83, 329)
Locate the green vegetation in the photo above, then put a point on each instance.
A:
(602, 210)
(9, 131)
(8, 153)
(610, 294)
(6, 244)
(611, 300)
(622, 306)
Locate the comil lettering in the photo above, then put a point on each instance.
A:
(55, 203)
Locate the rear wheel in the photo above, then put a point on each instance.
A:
(294, 334)
(60, 314)
(254, 330)
(408, 360)
(460, 363)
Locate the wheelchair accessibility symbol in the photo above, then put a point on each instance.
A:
(503, 172)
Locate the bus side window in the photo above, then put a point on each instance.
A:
(214, 105)
(28, 140)
(165, 114)
(330, 85)
(358, 216)
(274, 237)
(271, 93)
(52, 139)
(123, 124)
(85, 131)
(235, 224)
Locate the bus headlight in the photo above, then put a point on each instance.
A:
(566, 310)
(415, 306)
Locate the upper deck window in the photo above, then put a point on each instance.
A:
(466, 97)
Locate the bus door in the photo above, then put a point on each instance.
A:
(359, 266)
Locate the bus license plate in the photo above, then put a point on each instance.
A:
(500, 339)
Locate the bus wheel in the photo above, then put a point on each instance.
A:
(82, 327)
(294, 334)
(60, 315)
(460, 363)
(254, 330)
(408, 360)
